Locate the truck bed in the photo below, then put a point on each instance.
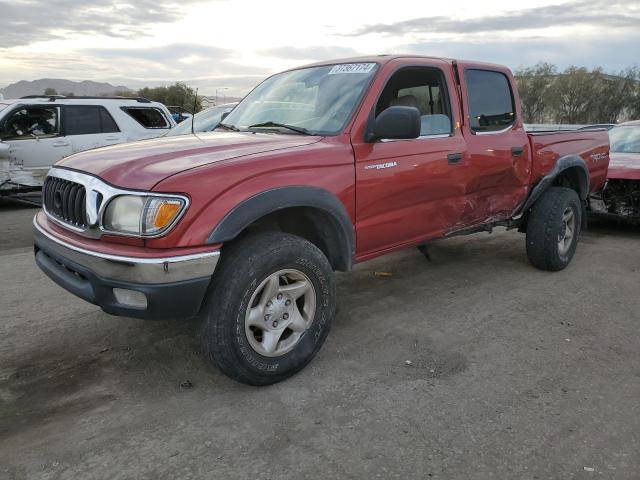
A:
(591, 145)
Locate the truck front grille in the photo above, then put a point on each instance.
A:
(66, 201)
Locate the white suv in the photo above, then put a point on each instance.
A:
(37, 131)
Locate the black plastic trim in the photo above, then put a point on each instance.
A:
(53, 98)
(563, 164)
(271, 201)
(177, 300)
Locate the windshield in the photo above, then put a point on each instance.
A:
(316, 100)
(203, 121)
(625, 139)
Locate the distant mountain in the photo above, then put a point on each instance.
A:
(37, 87)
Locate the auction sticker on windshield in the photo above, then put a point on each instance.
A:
(352, 68)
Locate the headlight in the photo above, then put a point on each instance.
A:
(142, 215)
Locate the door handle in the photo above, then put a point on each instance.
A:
(517, 151)
(454, 158)
(61, 143)
(111, 138)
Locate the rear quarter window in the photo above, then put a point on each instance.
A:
(491, 106)
(148, 117)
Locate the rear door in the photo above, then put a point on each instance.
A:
(34, 136)
(89, 126)
(409, 190)
(499, 160)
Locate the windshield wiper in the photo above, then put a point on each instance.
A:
(233, 128)
(300, 130)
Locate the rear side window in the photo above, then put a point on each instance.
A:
(491, 106)
(30, 122)
(87, 120)
(148, 117)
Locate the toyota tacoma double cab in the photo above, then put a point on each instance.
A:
(317, 169)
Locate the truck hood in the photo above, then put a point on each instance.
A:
(141, 165)
(624, 166)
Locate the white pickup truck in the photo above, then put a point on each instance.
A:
(37, 131)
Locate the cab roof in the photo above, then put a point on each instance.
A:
(384, 58)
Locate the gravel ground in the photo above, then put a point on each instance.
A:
(514, 373)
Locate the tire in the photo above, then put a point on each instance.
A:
(553, 229)
(235, 332)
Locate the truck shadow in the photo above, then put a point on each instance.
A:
(609, 226)
(54, 380)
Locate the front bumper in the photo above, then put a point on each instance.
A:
(152, 288)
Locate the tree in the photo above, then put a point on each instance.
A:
(50, 91)
(616, 93)
(179, 95)
(633, 109)
(533, 86)
(578, 95)
(573, 95)
(125, 93)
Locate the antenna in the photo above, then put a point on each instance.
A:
(193, 113)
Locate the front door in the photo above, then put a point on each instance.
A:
(33, 135)
(411, 190)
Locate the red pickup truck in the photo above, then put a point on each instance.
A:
(318, 168)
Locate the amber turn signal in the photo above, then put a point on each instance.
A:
(165, 214)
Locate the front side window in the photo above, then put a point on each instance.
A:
(625, 139)
(30, 122)
(315, 100)
(423, 88)
(491, 106)
(148, 117)
(87, 120)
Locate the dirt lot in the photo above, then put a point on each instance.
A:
(515, 373)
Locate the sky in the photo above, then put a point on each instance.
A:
(231, 45)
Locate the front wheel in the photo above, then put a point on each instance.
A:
(553, 229)
(269, 308)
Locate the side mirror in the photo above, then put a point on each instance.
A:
(395, 123)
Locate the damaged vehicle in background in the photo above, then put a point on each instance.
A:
(620, 198)
(37, 131)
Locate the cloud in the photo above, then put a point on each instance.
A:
(607, 14)
(163, 53)
(205, 67)
(28, 21)
(178, 60)
(583, 50)
(316, 53)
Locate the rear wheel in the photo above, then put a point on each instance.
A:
(269, 309)
(553, 228)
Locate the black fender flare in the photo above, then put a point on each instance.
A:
(563, 164)
(270, 201)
